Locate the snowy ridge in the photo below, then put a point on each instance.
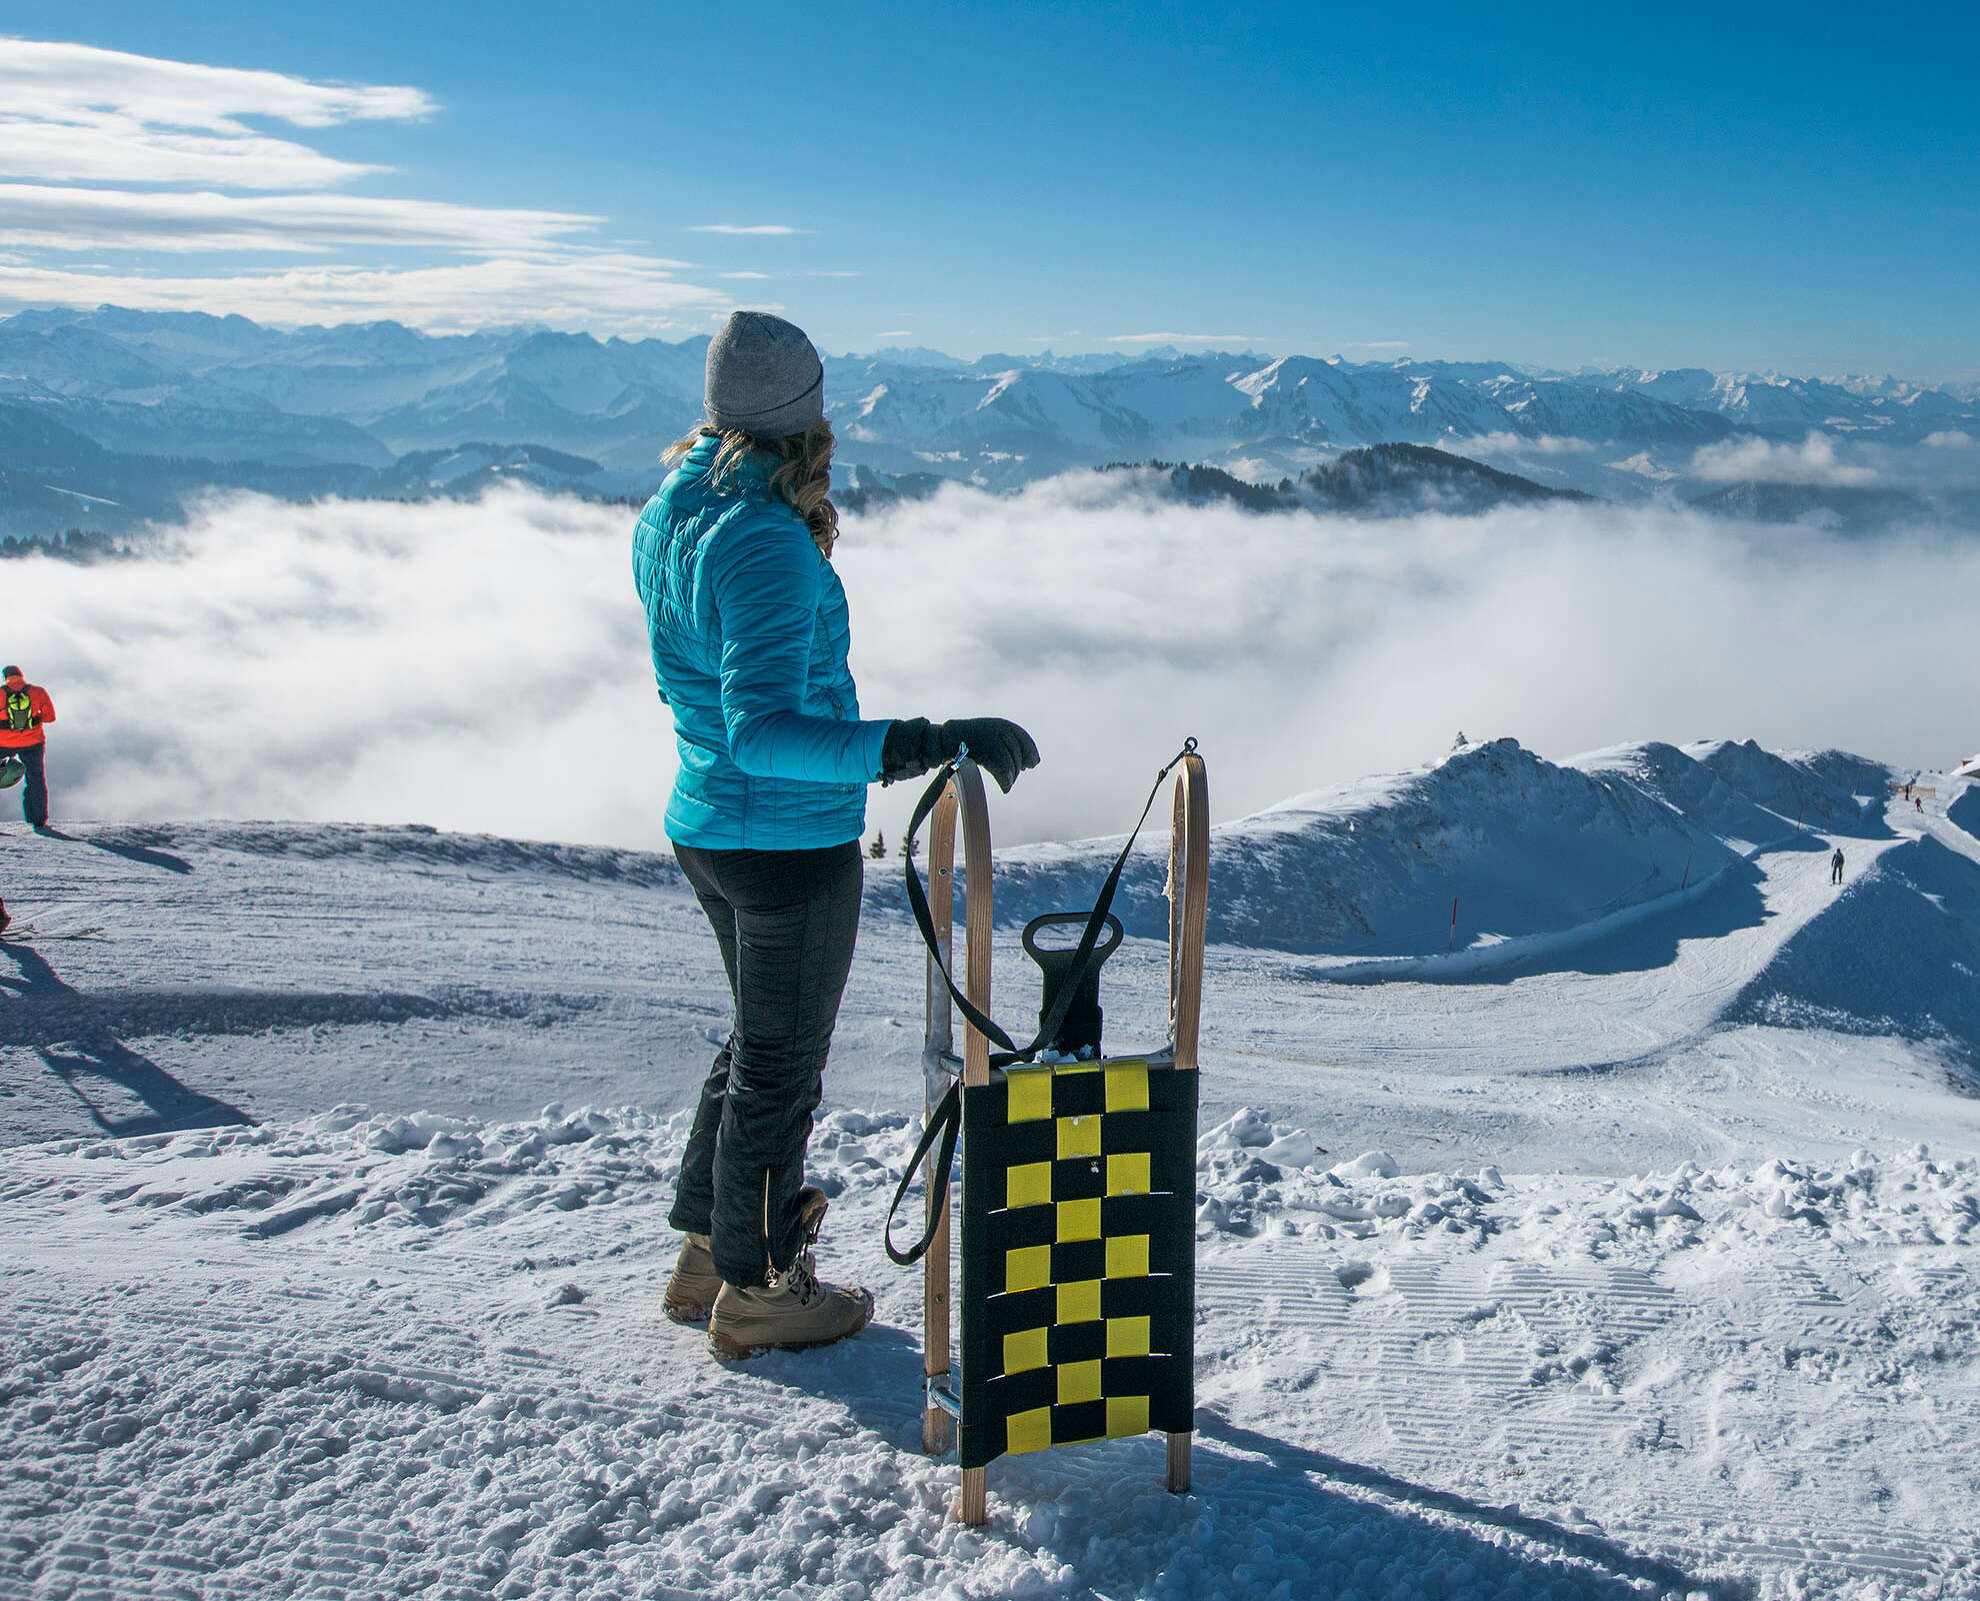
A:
(1527, 847)
(1831, 791)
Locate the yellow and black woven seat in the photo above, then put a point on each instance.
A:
(1078, 1255)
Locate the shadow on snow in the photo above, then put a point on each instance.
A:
(1263, 1513)
(132, 850)
(90, 1055)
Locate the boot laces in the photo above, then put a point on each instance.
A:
(801, 1279)
(804, 1267)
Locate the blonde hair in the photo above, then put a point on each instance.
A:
(802, 477)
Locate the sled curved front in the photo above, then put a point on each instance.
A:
(1078, 1205)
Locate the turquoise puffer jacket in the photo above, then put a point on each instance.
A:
(750, 634)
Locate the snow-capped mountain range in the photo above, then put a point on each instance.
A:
(315, 409)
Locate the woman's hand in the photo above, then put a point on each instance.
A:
(997, 745)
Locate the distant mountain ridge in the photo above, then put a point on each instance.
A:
(343, 407)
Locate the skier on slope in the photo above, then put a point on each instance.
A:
(1836, 866)
(21, 739)
(750, 634)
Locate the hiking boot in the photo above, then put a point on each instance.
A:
(791, 1312)
(692, 1290)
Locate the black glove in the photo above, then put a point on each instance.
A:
(914, 745)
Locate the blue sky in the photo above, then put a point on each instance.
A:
(1778, 187)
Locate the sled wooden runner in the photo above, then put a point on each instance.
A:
(1077, 1298)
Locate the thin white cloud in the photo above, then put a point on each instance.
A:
(741, 229)
(55, 218)
(753, 277)
(629, 294)
(895, 333)
(825, 272)
(45, 78)
(1950, 439)
(71, 112)
(120, 150)
(1813, 461)
(1505, 443)
(1182, 339)
(82, 124)
(1378, 344)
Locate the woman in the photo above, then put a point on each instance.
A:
(748, 622)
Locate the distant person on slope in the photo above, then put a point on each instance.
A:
(750, 634)
(21, 740)
(1836, 866)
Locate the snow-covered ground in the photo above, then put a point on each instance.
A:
(1627, 1255)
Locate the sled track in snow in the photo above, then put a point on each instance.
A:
(1432, 1355)
(136, 1541)
(145, 1540)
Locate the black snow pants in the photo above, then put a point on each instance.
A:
(786, 922)
(34, 787)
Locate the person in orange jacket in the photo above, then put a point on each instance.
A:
(28, 708)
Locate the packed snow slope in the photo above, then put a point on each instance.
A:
(1626, 1249)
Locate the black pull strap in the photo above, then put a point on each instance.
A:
(945, 1124)
(1083, 955)
(925, 920)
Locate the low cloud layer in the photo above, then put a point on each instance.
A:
(484, 666)
(1814, 461)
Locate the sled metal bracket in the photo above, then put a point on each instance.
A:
(937, 1394)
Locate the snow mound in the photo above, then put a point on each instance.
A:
(1905, 1199)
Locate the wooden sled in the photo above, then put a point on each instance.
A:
(1044, 1350)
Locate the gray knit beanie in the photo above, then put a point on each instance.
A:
(764, 377)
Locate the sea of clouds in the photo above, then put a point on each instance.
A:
(483, 666)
